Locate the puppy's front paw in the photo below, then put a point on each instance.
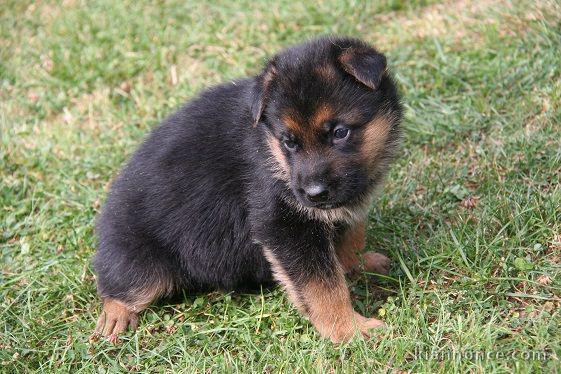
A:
(367, 324)
(376, 262)
(344, 329)
(114, 319)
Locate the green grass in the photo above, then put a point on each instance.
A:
(482, 87)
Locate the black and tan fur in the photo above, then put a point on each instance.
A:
(266, 179)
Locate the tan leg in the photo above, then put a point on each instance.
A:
(117, 315)
(115, 318)
(326, 302)
(349, 249)
(352, 243)
(330, 310)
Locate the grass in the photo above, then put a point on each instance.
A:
(470, 214)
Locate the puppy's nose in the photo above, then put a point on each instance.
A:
(316, 192)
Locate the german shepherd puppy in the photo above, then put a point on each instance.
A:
(263, 179)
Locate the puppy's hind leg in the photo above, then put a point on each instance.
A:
(114, 319)
(120, 313)
(126, 289)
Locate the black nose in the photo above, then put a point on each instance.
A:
(316, 192)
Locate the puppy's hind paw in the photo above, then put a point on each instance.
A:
(114, 319)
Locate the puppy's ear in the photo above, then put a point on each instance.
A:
(366, 65)
(261, 91)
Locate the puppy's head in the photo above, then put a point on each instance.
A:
(331, 113)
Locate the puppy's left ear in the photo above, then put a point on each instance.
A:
(365, 64)
(261, 90)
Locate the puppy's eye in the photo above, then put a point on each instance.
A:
(290, 144)
(340, 132)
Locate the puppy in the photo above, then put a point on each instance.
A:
(266, 179)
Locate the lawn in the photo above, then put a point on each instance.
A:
(470, 213)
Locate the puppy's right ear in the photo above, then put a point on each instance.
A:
(261, 91)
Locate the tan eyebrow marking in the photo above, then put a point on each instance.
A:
(323, 113)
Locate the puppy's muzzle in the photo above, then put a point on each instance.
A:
(316, 193)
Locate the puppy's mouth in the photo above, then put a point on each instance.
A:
(325, 199)
(324, 205)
